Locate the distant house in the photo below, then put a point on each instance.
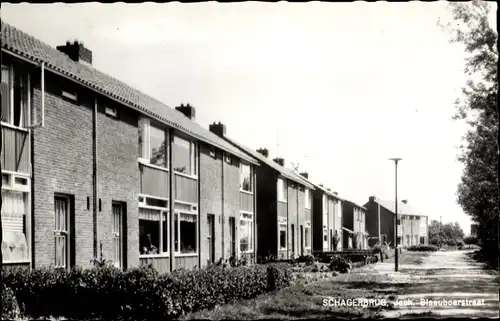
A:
(284, 204)
(412, 225)
(327, 220)
(354, 232)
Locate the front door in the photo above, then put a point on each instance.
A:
(301, 240)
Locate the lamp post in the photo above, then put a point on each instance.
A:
(396, 160)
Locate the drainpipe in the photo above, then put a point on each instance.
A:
(94, 176)
(171, 200)
(222, 209)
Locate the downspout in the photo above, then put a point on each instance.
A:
(198, 153)
(255, 227)
(171, 201)
(94, 175)
(222, 210)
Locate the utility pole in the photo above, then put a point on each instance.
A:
(396, 258)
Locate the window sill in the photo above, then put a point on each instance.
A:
(17, 262)
(14, 127)
(185, 254)
(282, 201)
(195, 177)
(144, 162)
(153, 256)
(246, 252)
(245, 192)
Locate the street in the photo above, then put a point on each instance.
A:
(443, 275)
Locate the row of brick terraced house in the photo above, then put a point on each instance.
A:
(91, 165)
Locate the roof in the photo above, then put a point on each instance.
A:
(269, 162)
(403, 209)
(355, 205)
(329, 193)
(34, 50)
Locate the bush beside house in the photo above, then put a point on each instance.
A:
(108, 293)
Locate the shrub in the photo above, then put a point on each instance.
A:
(10, 309)
(108, 293)
(307, 259)
(423, 248)
(339, 264)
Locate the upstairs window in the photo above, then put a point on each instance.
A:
(153, 144)
(15, 97)
(184, 155)
(246, 178)
(282, 190)
(307, 198)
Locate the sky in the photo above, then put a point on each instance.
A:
(338, 88)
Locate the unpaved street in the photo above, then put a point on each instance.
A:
(446, 275)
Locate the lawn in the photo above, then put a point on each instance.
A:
(304, 299)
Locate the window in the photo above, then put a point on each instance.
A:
(185, 226)
(111, 111)
(14, 242)
(153, 231)
(246, 179)
(246, 232)
(232, 235)
(153, 144)
(399, 222)
(307, 198)
(15, 97)
(307, 235)
(71, 95)
(407, 240)
(184, 156)
(282, 230)
(293, 238)
(422, 240)
(282, 190)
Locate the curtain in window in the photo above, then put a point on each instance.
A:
(14, 245)
(150, 214)
(188, 218)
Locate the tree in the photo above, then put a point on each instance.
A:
(449, 233)
(478, 192)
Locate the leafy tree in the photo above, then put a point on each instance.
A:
(449, 233)
(478, 192)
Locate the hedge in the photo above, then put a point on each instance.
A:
(107, 293)
(423, 248)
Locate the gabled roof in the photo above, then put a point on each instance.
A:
(355, 205)
(20, 43)
(403, 209)
(269, 162)
(329, 193)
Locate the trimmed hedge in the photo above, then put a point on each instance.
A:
(108, 293)
(423, 248)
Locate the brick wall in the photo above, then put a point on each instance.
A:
(62, 163)
(210, 200)
(118, 177)
(231, 202)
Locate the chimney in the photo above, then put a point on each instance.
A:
(405, 201)
(280, 161)
(328, 189)
(335, 193)
(305, 175)
(372, 199)
(188, 111)
(263, 151)
(77, 52)
(218, 129)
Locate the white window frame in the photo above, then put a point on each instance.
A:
(252, 232)
(26, 191)
(178, 213)
(162, 210)
(242, 164)
(70, 95)
(307, 226)
(66, 232)
(193, 156)
(282, 187)
(282, 226)
(24, 118)
(145, 157)
(307, 198)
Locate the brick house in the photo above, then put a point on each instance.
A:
(88, 160)
(327, 219)
(354, 234)
(284, 206)
(412, 226)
